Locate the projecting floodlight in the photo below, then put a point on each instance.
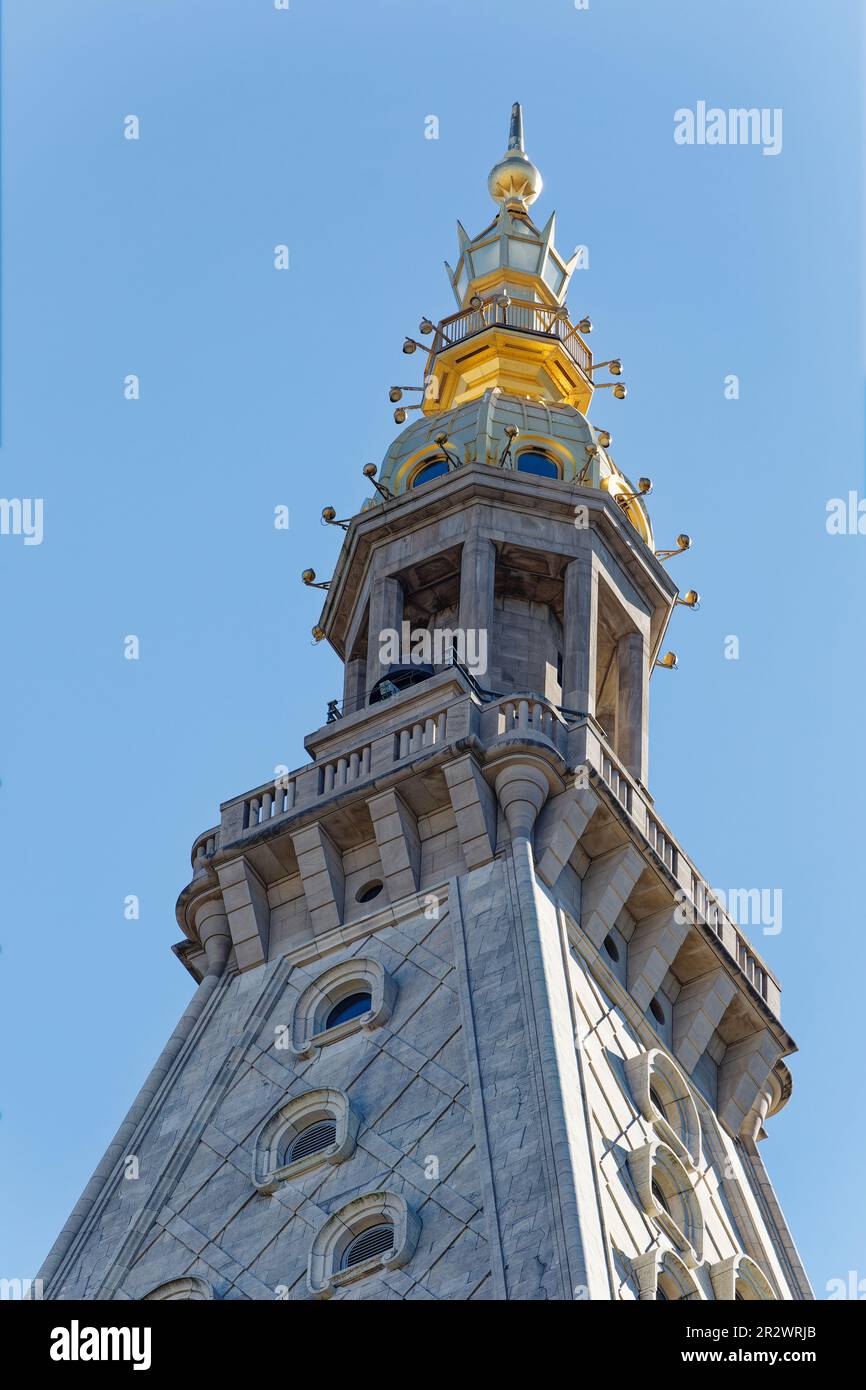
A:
(308, 577)
(690, 600)
(511, 433)
(683, 543)
(369, 470)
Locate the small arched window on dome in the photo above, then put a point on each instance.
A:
(433, 468)
(534, 461)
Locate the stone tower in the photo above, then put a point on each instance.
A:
(469, 1023)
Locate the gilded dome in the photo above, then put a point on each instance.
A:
(550, 440)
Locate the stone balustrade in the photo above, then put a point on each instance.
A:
(352, 767)
(274, 799)
(422, 734)
(435, 716)
(531, 714)
(587, 746)
(204, 848)
(661, 843)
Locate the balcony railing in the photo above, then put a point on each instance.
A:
(521, 314)
(437, 716)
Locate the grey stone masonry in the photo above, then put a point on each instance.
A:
(455, 976)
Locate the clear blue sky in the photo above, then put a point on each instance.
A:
(259, 388)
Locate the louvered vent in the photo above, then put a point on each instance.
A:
(313, 1140)
(376, 1240)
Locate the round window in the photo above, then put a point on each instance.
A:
(369, 891)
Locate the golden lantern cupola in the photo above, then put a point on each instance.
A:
(512, 255)
(511, 331)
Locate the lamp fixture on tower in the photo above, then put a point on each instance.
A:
(308, 577)
(644, 488)
(442, 441)
(683, 543)
(369, 471)
(620, 390)
(511, 432)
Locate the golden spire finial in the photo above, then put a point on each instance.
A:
(514, 181)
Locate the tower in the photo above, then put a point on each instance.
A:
(469, 1023)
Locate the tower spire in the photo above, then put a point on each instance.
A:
(515, 181)
(515, 129)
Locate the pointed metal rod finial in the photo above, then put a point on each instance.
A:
(515, 129)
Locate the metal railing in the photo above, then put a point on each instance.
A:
(521, 314)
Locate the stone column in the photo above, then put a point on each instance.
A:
(632, 723)
(386, 613)
(354, 684)
(477, 572)
(214, 933)
(580, 636)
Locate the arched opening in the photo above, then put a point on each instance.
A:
(375, 1240)
(428, 471)
(351, 1007)
(398, 678)
(534, 461)
(314, 1139)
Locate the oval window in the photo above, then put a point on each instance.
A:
(370, 891)
(656, 1010)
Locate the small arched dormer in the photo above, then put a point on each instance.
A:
(537, 462)
(428, 469)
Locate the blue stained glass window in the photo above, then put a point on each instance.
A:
(430, 470)
(532, 462)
